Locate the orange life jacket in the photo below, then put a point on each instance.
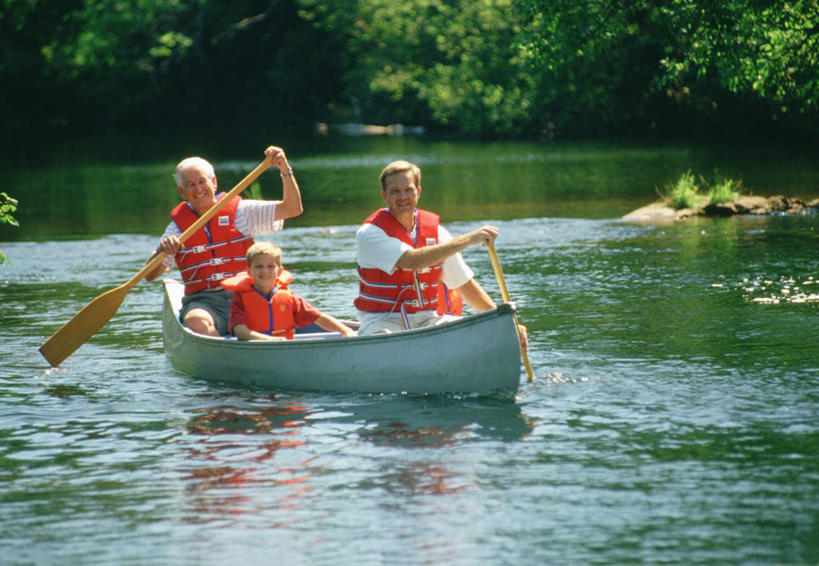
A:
(402, 290)
(214, 252)
(449, 301)
(270, 315)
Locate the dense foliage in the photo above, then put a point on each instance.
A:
(7, 206)
(732, 64)
(487, 68)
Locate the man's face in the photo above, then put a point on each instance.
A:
(198, 189)
(400, 193)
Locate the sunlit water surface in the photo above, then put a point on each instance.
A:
(674, 418)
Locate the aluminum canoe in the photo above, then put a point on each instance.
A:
(476, 354)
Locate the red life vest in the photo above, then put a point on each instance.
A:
(214, 252)
(273, 315)
(404, 289)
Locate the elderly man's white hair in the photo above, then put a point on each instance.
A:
(190, 162)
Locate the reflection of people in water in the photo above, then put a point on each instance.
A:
(235, 447)
(438, 427)
(445, 424)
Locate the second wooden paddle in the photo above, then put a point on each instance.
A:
(496, 267)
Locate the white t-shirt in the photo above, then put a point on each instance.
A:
(375, 249)
(253, 217)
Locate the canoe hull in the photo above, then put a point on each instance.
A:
(478, 354)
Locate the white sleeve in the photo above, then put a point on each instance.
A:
(171, 230)
(455, 270)
(375, 249)
(254, 217)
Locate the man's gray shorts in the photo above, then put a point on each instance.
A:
(217, 303)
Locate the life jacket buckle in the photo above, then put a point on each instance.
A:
(198, 249)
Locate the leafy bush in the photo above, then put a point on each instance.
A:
(724, 190)
(7, 206)
(684, 193)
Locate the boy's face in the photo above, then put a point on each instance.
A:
(264, 271)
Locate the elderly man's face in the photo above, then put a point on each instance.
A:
(198, 189)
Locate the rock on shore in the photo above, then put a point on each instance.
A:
(778, 204)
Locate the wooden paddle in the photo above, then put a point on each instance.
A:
(95, 314)
(496, 267)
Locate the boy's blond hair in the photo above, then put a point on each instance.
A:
(263, 248)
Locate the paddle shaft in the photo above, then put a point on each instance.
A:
(95, 314)
(496, 267)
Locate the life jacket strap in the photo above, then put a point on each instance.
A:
(208, 247)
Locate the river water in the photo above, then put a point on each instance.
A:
(673, 418)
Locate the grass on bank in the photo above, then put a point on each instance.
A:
(725, 190)
(688, 193)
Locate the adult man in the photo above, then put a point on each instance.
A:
(217, 250)
(404, 255)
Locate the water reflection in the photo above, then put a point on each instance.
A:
(238, 450)
(442, 422)
(464, 181)
(419, 478)
(235, 448)
(439, 423)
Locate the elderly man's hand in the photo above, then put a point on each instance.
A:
(170, 245)
(278, 158)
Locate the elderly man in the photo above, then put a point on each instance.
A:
(405, 257)
(217, 250)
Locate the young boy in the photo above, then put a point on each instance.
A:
(263, 308)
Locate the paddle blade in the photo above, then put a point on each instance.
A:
(83, 326)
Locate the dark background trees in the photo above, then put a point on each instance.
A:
(476, 68)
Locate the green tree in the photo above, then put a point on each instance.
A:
(7, 206)
(491, 68)
(595, 63)
(133, 63)
(447, 64)
(711, 57)
(767, 49)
